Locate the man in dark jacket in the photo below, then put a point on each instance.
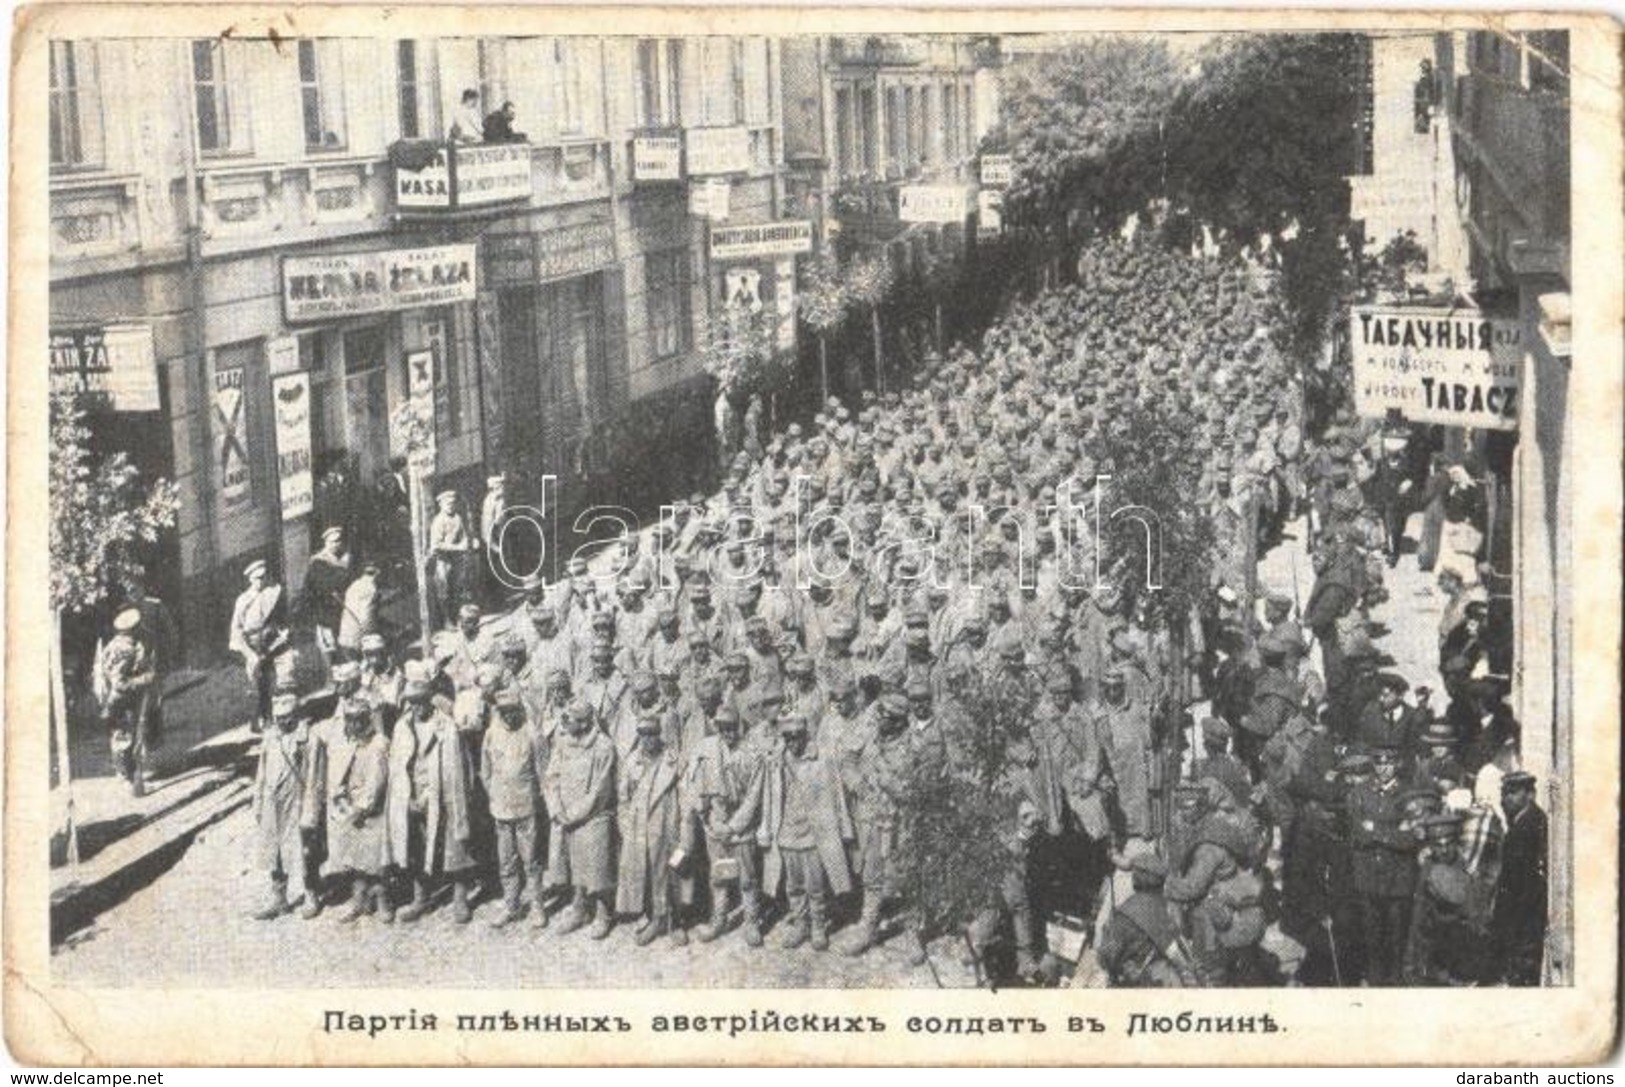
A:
(1518, 925)
(1140, 947)
(1384, 866)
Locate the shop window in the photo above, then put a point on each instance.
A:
(76, 108)
(866, 129)
(896, 136)
(439, 336)
(950, 122)
(321, 94)
(667, 290)
(221, 125)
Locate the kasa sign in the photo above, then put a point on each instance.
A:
(1454, 367)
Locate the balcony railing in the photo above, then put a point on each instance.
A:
(432, 177)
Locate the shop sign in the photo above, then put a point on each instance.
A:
(989, 213)
(231, 439)
(657, 158)
(709, 198)
(480, 174)
(718, 150)
(1455, 367)
(420, 386)
(297, 486)
(932, 204)
(113, 367)
(574, 250)
(346, 284)
(782, 238)
(996, 171)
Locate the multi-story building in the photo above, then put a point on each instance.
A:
(1507, 100)
(273, 248)
(882, 132)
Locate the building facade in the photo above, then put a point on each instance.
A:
(1507, 100)
(277, 248)
(873, 122)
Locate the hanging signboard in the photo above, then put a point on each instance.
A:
(996, 170)
(657, 158)
(292, 395)
(345, 284)
(989, 213)
(482, 174)
(932, 204)
(113, 367)
(709, 198)
(742, 287)
(1455, 367)
(420, 392)
(783, 238)
(784, 297)
(718, 150)
(231, 439)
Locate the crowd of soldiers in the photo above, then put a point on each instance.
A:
(715, 723)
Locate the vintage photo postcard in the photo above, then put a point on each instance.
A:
(793, 536)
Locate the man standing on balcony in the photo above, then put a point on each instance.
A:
(498, 126)
(467, 123)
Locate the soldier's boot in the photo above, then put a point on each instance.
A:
(914, 941)
(603, 922)
(649, 931)
(576, 916)
(753, 918)
(679, 931)
(419, 904)
(460, 911)
(276, 905)
(820, 924)
(795, 926)
(386, 903)
(1026, 960)
(538, 912)
(719, 915)
(312, 908)
(868, 926)
(360, 902)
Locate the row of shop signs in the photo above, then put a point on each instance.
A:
(695, 152)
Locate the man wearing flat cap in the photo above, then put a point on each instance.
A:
(799, 810)
(1384, 865)
(126, 677)
(579, 787)
(1387, 721)
(326, 579)
(259, 635)
(1141, 946)
(281, 783)
(431, 808)
(451, 546)
(1518, 925)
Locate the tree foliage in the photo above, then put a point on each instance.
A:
(823, 299)
(739, 349)
(104, 519)
(1080, 127)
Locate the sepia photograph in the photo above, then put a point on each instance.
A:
(916, 509)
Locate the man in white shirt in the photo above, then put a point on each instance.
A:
(467, 123)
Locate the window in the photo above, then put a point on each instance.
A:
(1548, 60)
(866, 129)
(896, 138)
(968, 115)
(214, 127)
(950, 122)
(76, 109)
(738, 74)
(406, 66)
(660, 82)
(927, 149)
(321, 94)
(844, 158)
(667, 289)
(911, 121)
(439, 337)
(493, 73)
(568, 99)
